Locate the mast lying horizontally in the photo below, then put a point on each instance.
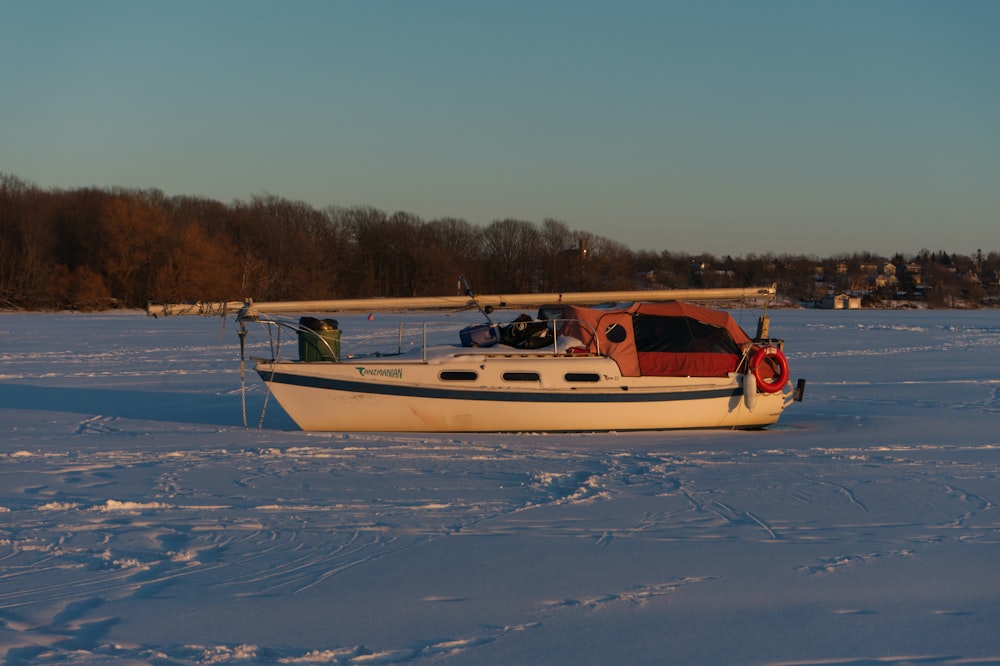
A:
(215, 308)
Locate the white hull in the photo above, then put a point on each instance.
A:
(508, 391)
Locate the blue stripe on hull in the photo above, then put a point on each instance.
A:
(399, 390)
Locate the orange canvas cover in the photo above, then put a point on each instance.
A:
(662, 339)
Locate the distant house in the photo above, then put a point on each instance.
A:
(840, 302)
(884, 281)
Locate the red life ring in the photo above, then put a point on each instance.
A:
(777, 362)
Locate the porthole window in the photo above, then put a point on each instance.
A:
(616, 333)
(459, 376)
(582, 377)
(520, 376)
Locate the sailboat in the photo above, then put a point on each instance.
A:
(590, 361)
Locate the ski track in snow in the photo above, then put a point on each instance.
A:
(105, 512)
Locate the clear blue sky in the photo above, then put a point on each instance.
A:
(732, 127)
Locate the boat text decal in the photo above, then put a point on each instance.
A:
(395, 373)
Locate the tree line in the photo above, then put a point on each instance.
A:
(96, 248)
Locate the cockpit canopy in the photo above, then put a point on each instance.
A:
(659, 339)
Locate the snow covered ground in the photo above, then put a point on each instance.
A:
(140, 523)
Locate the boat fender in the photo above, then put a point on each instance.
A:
(777, 362)
(749, 391)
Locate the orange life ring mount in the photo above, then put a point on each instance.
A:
(777, 366)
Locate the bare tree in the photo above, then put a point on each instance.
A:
(27, 243)
(135, 233)
(559, 253)
(510, 251)
(449, 248)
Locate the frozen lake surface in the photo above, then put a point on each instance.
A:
(140, 523)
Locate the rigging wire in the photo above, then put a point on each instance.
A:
(243, 383)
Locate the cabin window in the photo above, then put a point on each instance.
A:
(459, 375)
(682, 335)
(582, 377)
(520, 376)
